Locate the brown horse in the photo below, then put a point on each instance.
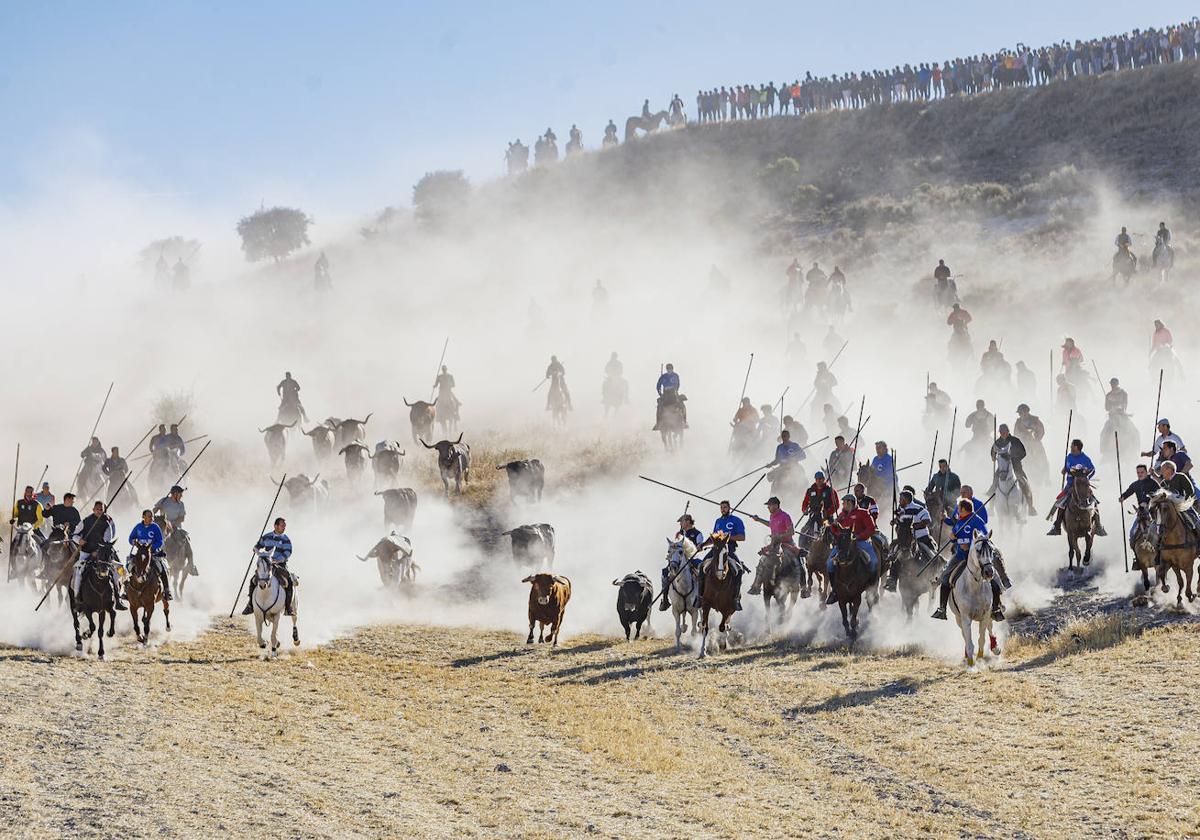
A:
(853, 578)
(1145, 546)
(719, 591)
(144, 589)
(1079, 521)
(60, 560)
(781, 579)
(1177, 547)
(814, 561)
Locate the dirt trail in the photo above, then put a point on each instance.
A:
(434, 732)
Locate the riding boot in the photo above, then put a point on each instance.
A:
(287, 600)
(737, 592)
(166, 583)
(943, 599)
(1057, 529)
(249, 608)
(893, 576)
(997, 609)
(832, 599)
(1100, 532)
(999, 561)
(664, 602)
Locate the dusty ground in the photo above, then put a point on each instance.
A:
(431, 732)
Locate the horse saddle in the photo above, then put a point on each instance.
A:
(957, 573)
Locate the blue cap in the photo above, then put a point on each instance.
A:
(818, 474)
(1164, 422)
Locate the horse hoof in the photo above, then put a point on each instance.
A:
(262, 645)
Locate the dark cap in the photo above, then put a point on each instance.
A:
(774, 500)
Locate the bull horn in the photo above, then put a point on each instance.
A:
(360, 557)
(434, 403)
(426, 445)
(378, 492)
(501, 466)
(367, 419)
(264, 430)
(407, 403)
(403, 453)
(561, 579)
(314, 480)
(273, 481)
(460, 434)
(617, 582)
(527, 579)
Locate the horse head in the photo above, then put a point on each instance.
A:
(720, 543)
(141, 563)
(982, 554)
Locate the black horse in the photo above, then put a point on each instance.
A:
(854, 577)
(96, 596)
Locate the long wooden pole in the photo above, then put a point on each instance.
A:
(12, 514)
(1157, 407)
(261, 531)
(95, 426)
(437, 371)
(854, 446)
(1067, 449)
(1121, 488)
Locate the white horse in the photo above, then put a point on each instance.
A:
(26, 555)
(1010, 501)
(684, 591)
(268, 600)
(971, 599)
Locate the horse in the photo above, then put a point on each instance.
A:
(877, 488)
(971, 598)
(648, 124)
(743, 439)
(854, 577)
(1079, 520)
(91, 476)
(180, 560)
(123, 499)
(447, 416)
(268, 601)
(684, 591)
(165, 465)
(26, 555)
(290, 410)
(1010, 501)
(788, 481)
(143, 589)
(670, 426)
(1165, 360)
(59, 559)
(781, 575)
(915, 576)
(1144, 541)
(614, 393)
(815, 560)
(96, 597)
(1163, 259)
(1124, 264)
(557, 401)
(1177, 547)
(719, 592)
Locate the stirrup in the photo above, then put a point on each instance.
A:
(248, 609)
(890, 585)
(117, 605)
(997, 613)
(1056, 531)
(832, 599)
(939, 613)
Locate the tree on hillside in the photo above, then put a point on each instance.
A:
(441, 197)
(273, 233)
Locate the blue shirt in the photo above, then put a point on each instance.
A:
(883, 465)
(670, 379)
(1080, 460)
(731, 525)
(790, 451)
(981, 514)
(279, 542)
(147, 534)
(963, 531)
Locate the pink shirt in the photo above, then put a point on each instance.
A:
(780, 524)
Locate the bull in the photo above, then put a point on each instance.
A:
(421, 415)
(355, 453)
(634, 599)
(350, 430)
(548, 596)
(526, 478)
(386, 463)
(399, 508)
(305, 492)
(276, 442)
(322, 441)
(533, 545)
(454, 462)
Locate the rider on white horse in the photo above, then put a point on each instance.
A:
(964, 525)
(89, 535)
(148, 533)
(277, 547)
(916, 516)
(689, 531)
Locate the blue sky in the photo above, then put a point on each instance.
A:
(344, 105)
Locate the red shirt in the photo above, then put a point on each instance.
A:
(858, 522)
(812, 499)
(1070, 354)
(1161, 337)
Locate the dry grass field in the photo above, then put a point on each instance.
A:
(413, 731)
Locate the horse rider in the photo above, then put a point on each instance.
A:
(171, 509)
(914, 514)
(1028, 426)
(941, 272)
(687, 530)
(90, 534)
(1171, 454)
(614, 368)
(979, 421)
(114, 464)
(1006, 441)
(746, 412)
(173, 441)
(992, 360)
(944, 487)
(768, 424)
(883, 466)
(667, 388)
(276, 546)
(158, 437)
(981, 513)
(1124, 241)
(575, 136)
(93, 448)
(937, 402)
(1181, 486)
(861, 526)
(148, 533)
(837, 276)
(823, 384)
(958, 318)
(27, 510)
(787, 454)
(1116, 400)
(783, 536)
(963, 526)
(735, 529)
(555, 368)
(796, 429)
(44, 497)
(63, 518)
(819, 506)
(444, 383)
(1071, 355)
(288, 388)
(1076, 459)
(610, 130)
(841, 461)
(1026, 381)
(1164, 434)
(1142, 488)
(1162, 236)
(1162, 337)
(864, 502)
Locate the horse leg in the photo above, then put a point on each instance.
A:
(845, 618)
(983, 634)
(112, 623)
(147, 614)
(704, 631)
(258, 625)
(167, 614)
(75, 621)
(133, 616)
(100, 635)
(1179, 586)
(1087, 547)
(275, 632)
(964, 624)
